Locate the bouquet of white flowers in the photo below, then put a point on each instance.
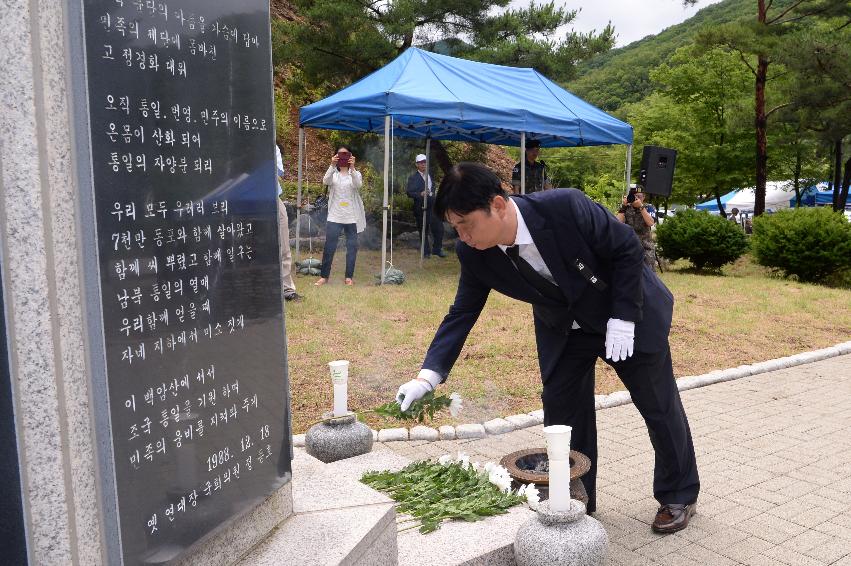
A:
(452, 488)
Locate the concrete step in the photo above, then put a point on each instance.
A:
(336, 521)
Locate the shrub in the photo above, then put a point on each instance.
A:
(811, 243)
(707, 241)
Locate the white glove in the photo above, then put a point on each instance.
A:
(415, 389)
(620, 335)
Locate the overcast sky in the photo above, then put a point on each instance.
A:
(633, 19)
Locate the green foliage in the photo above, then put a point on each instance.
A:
(597, 171)
(422, 408)
(432, 493)
(708, 241)
(811, 243)
(336, 42)
(703, 108)
(608, 191)
(613, 78)
(282, 117)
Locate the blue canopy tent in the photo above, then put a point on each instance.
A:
(429, 96)
(712, 204)
(825, 198)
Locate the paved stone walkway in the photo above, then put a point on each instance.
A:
(774, 455)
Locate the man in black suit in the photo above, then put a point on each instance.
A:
(592, 296)
(416, 189)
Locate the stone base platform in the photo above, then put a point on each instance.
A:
(336, 520)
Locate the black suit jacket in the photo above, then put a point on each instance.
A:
(416, 185)
(566, 227)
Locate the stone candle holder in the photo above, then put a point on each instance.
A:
(570, 538)
(337, 438)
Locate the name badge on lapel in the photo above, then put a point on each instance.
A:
(598, 283)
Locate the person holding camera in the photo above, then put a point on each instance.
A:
(634, 212)
(345, 212)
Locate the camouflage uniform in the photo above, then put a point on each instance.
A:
(633, 217)
(536, 176)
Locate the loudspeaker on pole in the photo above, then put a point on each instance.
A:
(657, 170)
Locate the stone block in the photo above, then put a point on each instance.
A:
(381, 458)
(746, 369)
(598, 401)
(538, 416)
(688, 382)
(483, 543)
(616, 399)
(424, 433)
(298, 440)
(350, 536)
(498, 426)
(391, 434)
(470, 431)
(446, 432)
(522, 421)
(319, 487)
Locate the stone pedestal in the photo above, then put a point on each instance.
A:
(52, 376)
(569, 538)
(338, 438)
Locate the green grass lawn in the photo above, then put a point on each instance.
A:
(738, 317)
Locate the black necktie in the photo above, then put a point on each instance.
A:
(532, 277)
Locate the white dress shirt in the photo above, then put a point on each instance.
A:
(528, 251)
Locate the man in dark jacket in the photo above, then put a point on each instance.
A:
(592, 296)
(417, 190)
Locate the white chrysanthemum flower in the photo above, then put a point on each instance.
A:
(500, 477)
(489, 466)
(463, 459)
(455, 405)
(532, 496)
(477, 467)
(445, 460)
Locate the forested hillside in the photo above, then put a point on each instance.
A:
(609, 80)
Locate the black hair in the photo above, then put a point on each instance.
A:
(466, 188)
(532, 144)
(343, 147)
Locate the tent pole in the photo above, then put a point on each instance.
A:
(298, 198)
(384, 207)
(628, 168)
(522, 163)
(425, 200)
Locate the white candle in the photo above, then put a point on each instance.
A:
(340, 379)
(558, 453)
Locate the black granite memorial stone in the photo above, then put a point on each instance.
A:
(13, 548)
(194, 427)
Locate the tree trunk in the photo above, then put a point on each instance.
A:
(837, 174)
(761, 120)
(846, 181)
(440, 156)
(718, 201)
(761, 137)
(832, 169)
(798, 158)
